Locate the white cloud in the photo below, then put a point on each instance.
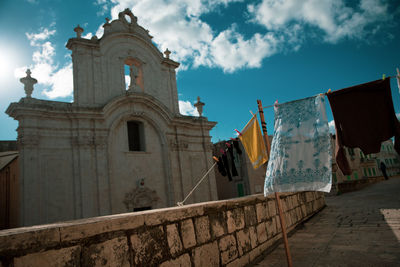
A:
(57, 80)
(332, 127)
(177, 25)
(333, 17)
(186, 108)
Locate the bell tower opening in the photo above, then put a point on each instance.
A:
(133, 75)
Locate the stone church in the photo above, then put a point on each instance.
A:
(117, 147)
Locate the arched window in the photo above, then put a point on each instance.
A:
(136, 140)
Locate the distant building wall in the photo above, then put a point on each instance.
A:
(9, 192)
(219, 233)
(364, 167)
(249, 181)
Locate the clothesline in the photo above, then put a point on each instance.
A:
(326, 93)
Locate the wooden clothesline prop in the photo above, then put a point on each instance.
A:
(277, 197)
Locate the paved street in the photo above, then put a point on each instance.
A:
(360, 228)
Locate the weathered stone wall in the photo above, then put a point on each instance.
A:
(221, 233)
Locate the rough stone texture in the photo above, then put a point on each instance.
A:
(149, 247)
(253, 236)
(171, 243)
(28, 238)
(174, 240)
(93, 226)
(235, 220)
(188, 234)
(272, 207)
(114, 252)
(360, 228)
(182, 261)
(202, 226)
(261, 214)
(242, 261)
(271, 227)
(218, 224)
(243, 241)
(206, 255)
(228, 250)
(250, 216)
(261, 232)
(61, 257)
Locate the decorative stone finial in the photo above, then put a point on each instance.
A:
(167, 53)
(28, 82)
(78, 29)
(199, 105)
(107, 20)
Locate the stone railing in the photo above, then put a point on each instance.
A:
(221, 233)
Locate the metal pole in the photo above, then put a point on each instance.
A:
(277, 197)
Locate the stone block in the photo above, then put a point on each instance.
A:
(271, 227)
(228, 250)
(174, 240)
(84, 228)
(261, 212)
(277, 222)
(253, 237)
(202, 226)
(235, 220)
(61, 257)
(250, 216)
(304, 210)
(254, 253)
(218, 224)
(149, 247)
(243, 241)
(188, 234)
(272, 207)
(114, 252)
(262, 232)
(182, 261)
(206, 255)
(34, 237)
(242, 261)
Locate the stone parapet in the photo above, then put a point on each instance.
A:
(219, 233)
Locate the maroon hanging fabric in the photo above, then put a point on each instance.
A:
(364, 117)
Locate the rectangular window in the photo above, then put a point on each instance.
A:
(373, 170)
(348, 177)
(135, 136)
(365, 172)
(369, 172)
(355, 175)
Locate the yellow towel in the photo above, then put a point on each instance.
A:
(253, 143)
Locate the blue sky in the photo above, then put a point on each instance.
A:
(231, 52)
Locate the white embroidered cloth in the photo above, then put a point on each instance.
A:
(300, 158)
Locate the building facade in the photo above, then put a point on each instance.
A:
(119, 146)
(365, 166)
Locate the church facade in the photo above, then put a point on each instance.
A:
(118, 147)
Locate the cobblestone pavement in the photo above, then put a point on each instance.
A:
(360, 228)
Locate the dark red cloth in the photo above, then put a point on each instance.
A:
(364, 117)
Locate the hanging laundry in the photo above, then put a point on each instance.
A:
(253, 143)
(364, 117)
(232, 158)
(300, 157)
(237, 147)
(221, 167)
(226, 165)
